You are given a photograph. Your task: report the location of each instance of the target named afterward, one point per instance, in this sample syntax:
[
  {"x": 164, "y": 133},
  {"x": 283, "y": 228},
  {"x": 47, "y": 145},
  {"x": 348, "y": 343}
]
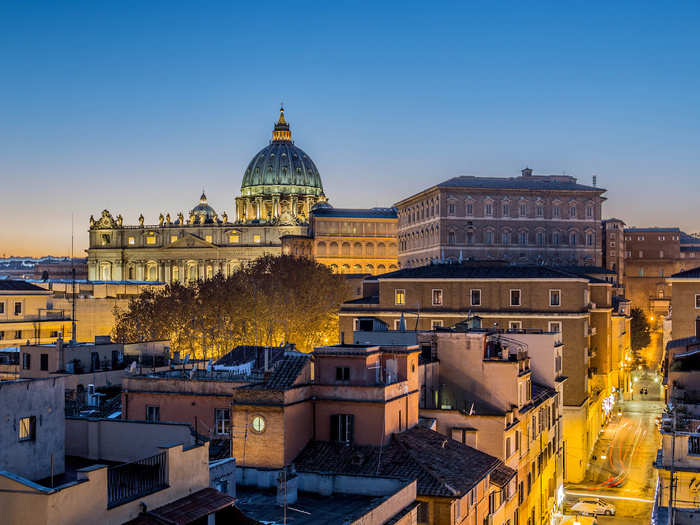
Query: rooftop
[
  {"x": 443, "y": 466},
  {"x": 479, "y": 271},
  {"x": 186, "y": 510},
  {"x": 309, "y": 508},
  {"x": 359, "y": 213},
  {"x": 536, "y": 182},
  {"x": 693, "y": 273},
  {"x": 653, "y": 229},
  {"x": 11, "y": 285}
]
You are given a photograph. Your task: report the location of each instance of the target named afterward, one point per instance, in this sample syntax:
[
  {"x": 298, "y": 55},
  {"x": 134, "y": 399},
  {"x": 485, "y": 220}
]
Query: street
[{"x": 621, "y": 470}]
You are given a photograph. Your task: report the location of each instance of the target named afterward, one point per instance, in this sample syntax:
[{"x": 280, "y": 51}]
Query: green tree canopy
[
  {"x": 640, "y": 329},
  {"x": 273, "y": 300}
]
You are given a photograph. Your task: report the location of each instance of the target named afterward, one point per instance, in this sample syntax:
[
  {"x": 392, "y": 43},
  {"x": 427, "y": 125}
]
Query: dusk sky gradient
[{"x": 137, "y": 106}]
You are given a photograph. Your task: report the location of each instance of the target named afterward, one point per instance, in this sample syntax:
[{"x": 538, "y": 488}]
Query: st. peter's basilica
[{"x": 281, "y": 189}]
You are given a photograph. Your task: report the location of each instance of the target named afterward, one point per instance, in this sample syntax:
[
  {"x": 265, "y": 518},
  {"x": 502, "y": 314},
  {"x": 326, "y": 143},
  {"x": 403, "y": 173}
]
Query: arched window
[
  {"x": 392, "y": 248},
  {"x": 393, "y": 267},
  {"x": 381, "y": 249},
  {"x": 357, "y": 250},
  {"x": 130, "y": 273},
  {"x": 333, "y": 249},
  {"x": 151, "y": 272},
  {"x": 210, "y": 272},
  {"x": 572, "y": 238},
  {"x": 369, "y": 249},
  {"x": 192, "y": 271},
  {"x": 175, "y": 274},
  {"x": 381, "y": 268},
  {"x": 321, "y": 248},
  {"x": 346, "y": 249}
]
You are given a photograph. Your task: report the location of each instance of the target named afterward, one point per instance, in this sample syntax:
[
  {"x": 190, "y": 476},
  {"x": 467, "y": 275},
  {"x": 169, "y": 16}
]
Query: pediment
[{"x": 190, "y": 241}]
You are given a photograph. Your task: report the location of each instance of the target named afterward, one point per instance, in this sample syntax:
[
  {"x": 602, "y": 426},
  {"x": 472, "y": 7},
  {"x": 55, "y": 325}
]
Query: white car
[{"x": 593, "y": 507}]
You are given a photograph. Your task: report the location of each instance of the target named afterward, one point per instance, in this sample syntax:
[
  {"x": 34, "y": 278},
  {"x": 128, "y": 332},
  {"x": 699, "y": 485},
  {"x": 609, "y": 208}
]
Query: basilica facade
[{"x": 280, "y": 191}]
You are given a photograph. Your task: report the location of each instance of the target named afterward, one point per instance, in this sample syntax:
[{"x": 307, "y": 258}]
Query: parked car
[{"x": 593, "y": 507}]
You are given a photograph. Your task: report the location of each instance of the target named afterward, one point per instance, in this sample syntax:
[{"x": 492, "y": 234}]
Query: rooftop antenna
[{"x": 72, "y": 272}]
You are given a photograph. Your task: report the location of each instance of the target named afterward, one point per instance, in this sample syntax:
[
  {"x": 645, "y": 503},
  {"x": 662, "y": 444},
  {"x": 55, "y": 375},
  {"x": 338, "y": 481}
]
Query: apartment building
[
  {"x": 614, "y": 249},
  {"x": 535, "y": 219},
  {"x": 514, "y": 298},
  {"x": 678, "y": 458},
  {"x": 27, "y": 313},
  {"x": 64, "y": 471},
  {"x": 685, "y": 303}
]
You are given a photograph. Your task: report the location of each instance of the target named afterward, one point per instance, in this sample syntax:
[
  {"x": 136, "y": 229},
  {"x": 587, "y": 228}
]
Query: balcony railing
[{"x": 134, "y": 480}]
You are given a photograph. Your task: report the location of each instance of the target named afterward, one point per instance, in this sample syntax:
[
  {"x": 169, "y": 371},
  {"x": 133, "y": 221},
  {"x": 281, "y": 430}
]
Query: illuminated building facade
[{"x": 280, "y": 194}]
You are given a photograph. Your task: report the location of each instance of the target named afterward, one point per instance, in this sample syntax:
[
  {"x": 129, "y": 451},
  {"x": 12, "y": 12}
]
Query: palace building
[{"x": 281, "y": 188}]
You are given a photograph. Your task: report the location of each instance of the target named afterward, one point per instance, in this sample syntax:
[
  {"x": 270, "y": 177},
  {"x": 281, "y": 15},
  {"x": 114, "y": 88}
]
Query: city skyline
[{"x": 145, "y": 110}]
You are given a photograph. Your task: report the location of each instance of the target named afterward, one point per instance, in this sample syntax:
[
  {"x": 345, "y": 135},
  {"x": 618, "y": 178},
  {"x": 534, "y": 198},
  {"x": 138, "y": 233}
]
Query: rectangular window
[
  {"x": 18, "y": 334},
  {"x": 423, "y": 513},
  {"x": 523, "y": 210},
  {"x": 234, "y": 238},
  {"x": 506, "y": 210},
  {"x": 555, "y": 326},
  {"x": 341, "y": 428},
  {"x": 209, "y": 238},
  {"x": 18, "y": 307},
  {"x": 488, "y": 210},
  {"x": 555, "y": 211},
  {"x": 489, "y": 237},
  {"x": 132, "y": 241},
  {"x": 515, "y": 297},
  {"x": 451, "y": 208},
  {"x": 572, "y": 211},
  {"x": 399, "y": 296},
  {"x": 661, "y": 254},
  {"x": 540, "y": 211},
  {"x": 44, "y": 362},
  {"x": 508, "y": 452},
  {"x": 2, "y": 307},
  {"x": 515, "y": 325},
  {"x": 434, "y": 324},
  {"x": 555, "y": 298},
  {"x": 697, "y": 300},
  {"x": 150, "y": 239},
  {"x": 470, "y": 210},
  {"x": 27, "y": 428},
  {"x": 222, "y": 420},
  {"x": 523, "y": 238},
  {"x": 342, "y": 373},
  {"x": 26, "y": 361},
  {"x": 476, "y": 297},
  {"x": 589, "y": 239},
  {"x": 153, "y": 414},
  {"x": 555, "y": 238},
  {"x": 451, "y": 238},
  {"x": 2, "y": 335},
  {"x": 694, "y": 445},
  {"x": 540, "y": 238},
  {"x": 256, "y": 239},
  {"x": 572, "y": 239},
  {"x": 589, "y": 211},
  {"x": 437, "y": 297}
]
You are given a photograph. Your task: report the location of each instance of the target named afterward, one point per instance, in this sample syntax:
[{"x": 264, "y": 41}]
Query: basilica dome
[
  {"x": 203, "y": 212},
  {"x": 281, "y": 168}
]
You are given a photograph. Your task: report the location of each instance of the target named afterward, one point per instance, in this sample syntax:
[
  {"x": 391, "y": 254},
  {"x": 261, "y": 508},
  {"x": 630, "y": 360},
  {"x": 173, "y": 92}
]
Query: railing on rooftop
[{"x": 134, "y": 480}]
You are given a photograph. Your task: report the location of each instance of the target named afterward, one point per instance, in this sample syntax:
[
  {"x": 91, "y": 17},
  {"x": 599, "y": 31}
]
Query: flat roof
[{"x": 261, "y": 504}]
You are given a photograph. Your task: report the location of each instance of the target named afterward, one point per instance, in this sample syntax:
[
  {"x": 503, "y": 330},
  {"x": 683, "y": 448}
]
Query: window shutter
[{"x": 335, "y": 427}]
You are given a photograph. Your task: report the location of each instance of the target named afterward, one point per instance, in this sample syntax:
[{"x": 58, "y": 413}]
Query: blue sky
[{"x": 136, "y": 106}]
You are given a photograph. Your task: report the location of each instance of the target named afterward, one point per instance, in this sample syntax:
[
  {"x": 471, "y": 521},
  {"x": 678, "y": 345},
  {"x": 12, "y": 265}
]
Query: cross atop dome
[{"x": 281, "y": 132}]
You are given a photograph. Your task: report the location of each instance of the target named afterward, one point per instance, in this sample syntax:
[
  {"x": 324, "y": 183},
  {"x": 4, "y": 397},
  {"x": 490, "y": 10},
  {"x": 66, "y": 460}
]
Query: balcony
[{"x": 134, "y": 480}]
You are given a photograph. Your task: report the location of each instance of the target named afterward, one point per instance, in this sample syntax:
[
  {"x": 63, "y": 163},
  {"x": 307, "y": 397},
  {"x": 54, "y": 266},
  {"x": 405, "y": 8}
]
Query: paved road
[{"x": 622, "y": 471}]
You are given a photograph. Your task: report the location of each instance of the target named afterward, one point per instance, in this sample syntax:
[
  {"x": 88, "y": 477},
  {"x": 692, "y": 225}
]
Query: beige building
[
  {"x": 685, "y": 303},
  {"x": 28, "y": 313},
  {"x": 355, "y": 241},
  {"x": 614, "y": 250},
  {"x": 550, "y": 219},
  {"x": 514, "y": 298}
]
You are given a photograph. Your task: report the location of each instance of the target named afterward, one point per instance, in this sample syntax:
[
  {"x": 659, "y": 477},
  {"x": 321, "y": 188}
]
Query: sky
[{"x": 135, "y": 107}]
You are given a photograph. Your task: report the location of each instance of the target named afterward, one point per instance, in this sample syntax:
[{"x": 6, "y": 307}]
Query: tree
[
  {"x": 274, "y": 300},
  {"x": 640, "y": 329}
]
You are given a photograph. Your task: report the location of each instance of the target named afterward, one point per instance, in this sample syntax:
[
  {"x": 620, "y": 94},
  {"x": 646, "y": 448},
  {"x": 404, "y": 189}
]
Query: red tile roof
[{"x": 186, "y": 510}]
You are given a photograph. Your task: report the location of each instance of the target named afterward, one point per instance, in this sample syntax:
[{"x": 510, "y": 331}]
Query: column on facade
[
  {"x": 275, "y": 206},
  {"x": 258, "y": 208},
  {"x": 294, "y": 201}
]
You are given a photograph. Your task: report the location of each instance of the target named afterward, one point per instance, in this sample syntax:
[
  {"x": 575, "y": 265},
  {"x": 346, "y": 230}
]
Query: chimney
[
  {"x": 61, "y": 356},
  {"x": 526, "y": 172}
]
